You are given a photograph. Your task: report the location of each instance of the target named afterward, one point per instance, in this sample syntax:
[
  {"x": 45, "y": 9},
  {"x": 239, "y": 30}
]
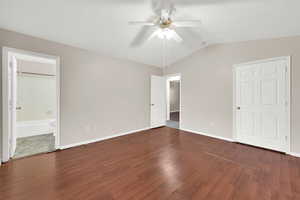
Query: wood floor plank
[{"x": 157, "y": 164}]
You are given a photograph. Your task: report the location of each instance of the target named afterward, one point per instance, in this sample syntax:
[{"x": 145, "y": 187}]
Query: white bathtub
[{"x": 38, "y": 127}]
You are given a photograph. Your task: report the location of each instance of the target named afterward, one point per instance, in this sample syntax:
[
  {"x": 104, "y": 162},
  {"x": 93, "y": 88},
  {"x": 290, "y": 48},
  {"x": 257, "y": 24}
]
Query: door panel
[
  {"x": 158, "y": 101},
  {"x": 269, "y": 125},
  {"x": 262, "y": 115},
  {"x": 269, "y": 91}
]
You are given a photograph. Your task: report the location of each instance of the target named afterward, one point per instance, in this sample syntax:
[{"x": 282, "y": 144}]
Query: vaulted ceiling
[{"x": 102, "y": 25}]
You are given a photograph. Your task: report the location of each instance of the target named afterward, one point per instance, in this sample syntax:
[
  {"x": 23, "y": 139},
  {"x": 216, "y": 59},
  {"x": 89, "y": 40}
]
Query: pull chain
[{"x": 164, "y": 55}]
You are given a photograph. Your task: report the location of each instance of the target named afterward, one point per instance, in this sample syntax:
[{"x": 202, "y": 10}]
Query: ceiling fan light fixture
[
  {"x": 165, "y": 33},
  {"x": 166, "y": 28}
]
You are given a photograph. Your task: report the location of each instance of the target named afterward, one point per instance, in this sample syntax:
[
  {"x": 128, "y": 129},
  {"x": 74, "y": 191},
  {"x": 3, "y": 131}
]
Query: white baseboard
[
  {"x": 158, "y": 125},
  {"x": 101, "y": 139},
  {"x": 208, "y": 135},
  {"x": 294, "y": 154},
  {"x": 229, "y": 140}
]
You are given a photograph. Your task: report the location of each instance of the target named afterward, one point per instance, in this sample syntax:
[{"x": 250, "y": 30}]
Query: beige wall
[
  {"x": 207, "y": 82},
  {"x": 100, "y": 96},
  {"x": 36, "y": 97},
  {"x": 36, "y": 94},
  {"x": 174, "y": 96}
]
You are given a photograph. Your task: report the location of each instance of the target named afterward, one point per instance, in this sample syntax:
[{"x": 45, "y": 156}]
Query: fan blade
[
  {"x": 159, "y": 5},
  {"x": 142, "y": 36},
  {"x": 156, "y": 7},
  {"x": 187, "y": 23},
  {"x": 143, "y": 23},
  {"x": 172, "y": 8},
  {"x": 193, "y": 38},
  {"x": 177, "y": 37}
]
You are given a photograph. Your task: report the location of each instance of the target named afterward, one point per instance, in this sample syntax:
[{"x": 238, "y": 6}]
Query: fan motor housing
[{"x": 165, "y": 23}]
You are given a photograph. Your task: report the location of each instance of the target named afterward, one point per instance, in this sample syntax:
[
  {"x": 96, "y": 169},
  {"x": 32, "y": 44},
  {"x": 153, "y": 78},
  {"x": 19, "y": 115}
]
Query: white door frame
[
  {"x": 169, "y": 78},
  {"x": 288, "y": 95},
  {"x": 6, "y": 52}
]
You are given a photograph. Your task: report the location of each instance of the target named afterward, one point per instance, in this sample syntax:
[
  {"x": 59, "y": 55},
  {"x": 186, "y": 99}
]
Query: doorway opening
[
  {"x": 30, "y": 103},
  {"x": 173, "y": 101}
]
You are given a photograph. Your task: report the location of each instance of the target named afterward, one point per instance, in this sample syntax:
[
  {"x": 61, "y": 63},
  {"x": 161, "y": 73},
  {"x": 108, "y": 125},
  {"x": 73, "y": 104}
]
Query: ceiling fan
[{"x": 162, "y": 24}]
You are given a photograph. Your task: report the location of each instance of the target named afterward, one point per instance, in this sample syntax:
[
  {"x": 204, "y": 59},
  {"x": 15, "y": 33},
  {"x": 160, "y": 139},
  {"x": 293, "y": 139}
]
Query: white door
[
  {"x": 262, "y": 104},
  {"x": 158, "y": 101},
  {"x": 12, "y": 99}
]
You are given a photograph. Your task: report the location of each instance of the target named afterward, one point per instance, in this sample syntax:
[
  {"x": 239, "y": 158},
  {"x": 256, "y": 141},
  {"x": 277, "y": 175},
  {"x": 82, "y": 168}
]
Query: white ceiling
[{"x": 102, "y": 25}]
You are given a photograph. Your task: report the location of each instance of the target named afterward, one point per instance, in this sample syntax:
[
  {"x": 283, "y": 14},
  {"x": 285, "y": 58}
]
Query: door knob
[
  {"x": 19, "y": 108},
  {"x": 238, "y": 108},
  {"x": 152, "y": 104}
]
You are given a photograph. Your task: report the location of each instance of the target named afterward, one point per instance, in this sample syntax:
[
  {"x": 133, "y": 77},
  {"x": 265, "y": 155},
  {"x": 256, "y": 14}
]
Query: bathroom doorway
[
  {"x": 31, "y": 103},
  {"x": 173, "y": 101}
]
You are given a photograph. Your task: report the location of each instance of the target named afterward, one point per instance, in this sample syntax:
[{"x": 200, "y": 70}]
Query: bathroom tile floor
[
  {"x": 32, "y": 145},
  {"x": 174, "y": 120},
  {"x": 172, "y": 124}
]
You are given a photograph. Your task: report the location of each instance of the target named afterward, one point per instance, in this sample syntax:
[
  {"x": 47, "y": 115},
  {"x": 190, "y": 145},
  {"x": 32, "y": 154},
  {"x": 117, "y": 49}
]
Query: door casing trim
[{"x": 6, "y": 52}]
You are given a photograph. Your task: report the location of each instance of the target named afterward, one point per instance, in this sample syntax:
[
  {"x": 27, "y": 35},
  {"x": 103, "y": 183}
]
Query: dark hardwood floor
[{"x": 162, "y": 163}]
